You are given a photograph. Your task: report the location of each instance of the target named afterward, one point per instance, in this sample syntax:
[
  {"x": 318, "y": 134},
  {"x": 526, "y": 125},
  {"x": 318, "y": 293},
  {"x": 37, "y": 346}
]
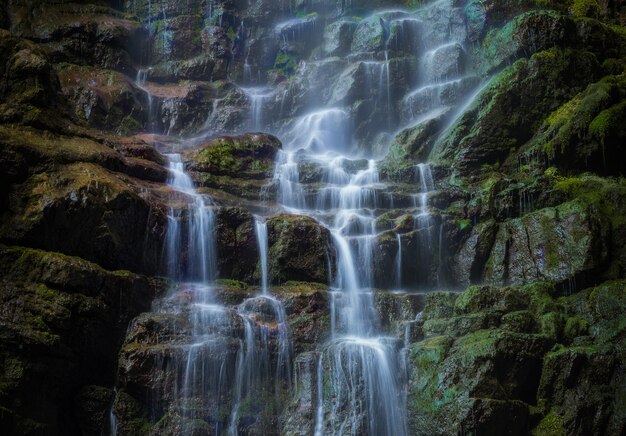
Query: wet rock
[
  {"x": 297, "y": 36},
  {"x": 308, "y": 311},
  {"x": 469, "y": 260},
  {"x": 428, "y": 98},
  {"x": 584, "y": 132},
  {"x": 511, "y": 106},
  {"x": 299, "y": 417},
  {"x": 555, "y": 243},
  {"x": 103, "y": 98},
  {"x": 63, "y": 320},
  {"x": 526, "y": 34},
  {"x": 444, "y": 63},
  {"x": 237, "y": 247},
  {"x": 581, "y": 380},
  {"x": 299, "y": 249},
  {"x": 369, "y": 35},
  {"x": 472, "y": 393},
  {"x": 196, "y": 68},
  {"x": 415, "y": 142},
  {"x": 240, "y": 166},
  {"x": 338, "y": 37},
  {"x": 87, "y": 35}
]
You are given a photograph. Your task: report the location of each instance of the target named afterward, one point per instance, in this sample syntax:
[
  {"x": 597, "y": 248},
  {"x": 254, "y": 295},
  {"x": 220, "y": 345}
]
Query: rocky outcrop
[
  {"x": 87, "y": 34},
  {"x": 63, "y": 321},
  {"x": 457, "y": 382},
  {"x": 60, "y": 186},
  {"x": 557, "y": 244},
  {"x": 511, "y": 106}
]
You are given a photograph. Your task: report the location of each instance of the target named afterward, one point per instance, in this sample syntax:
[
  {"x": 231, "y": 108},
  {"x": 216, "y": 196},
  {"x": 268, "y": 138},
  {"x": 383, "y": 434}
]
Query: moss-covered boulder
[
  {"x": 586, "y": 132},
  {"x": 488, "y": 356},
  {"x": 250, "y": 155}
]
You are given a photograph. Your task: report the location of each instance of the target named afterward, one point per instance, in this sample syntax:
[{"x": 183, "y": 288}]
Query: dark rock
[
  {"x": 469, "y": 260},
  {"x": 555, "y": 244},
  {"x": 511, "y": 106},
  {"x": 29, "y": 85},
  {"x": 63, "y": 321},
  {"x": 84, "y": 35},
  {"x": 101, "y": 209},
  {"x": 237, "y": 247},
  {"x": 299, "y": 249},
  {"x": 103, "y": 98}
]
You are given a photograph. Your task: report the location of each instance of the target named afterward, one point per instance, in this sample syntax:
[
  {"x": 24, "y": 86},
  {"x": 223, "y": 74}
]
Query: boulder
[
  {"x": 250, "y": 155},
  {"x": 557, "y": 244}
]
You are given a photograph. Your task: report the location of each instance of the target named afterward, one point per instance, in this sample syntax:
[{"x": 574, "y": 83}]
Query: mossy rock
[
  {"x": 586, "y": 131},
  {"x": 60, "y": 338},
  {"x": 247, "y": 156}
]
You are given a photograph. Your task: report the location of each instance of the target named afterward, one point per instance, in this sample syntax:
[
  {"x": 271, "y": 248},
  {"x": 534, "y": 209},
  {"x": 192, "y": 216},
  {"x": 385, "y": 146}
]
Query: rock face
[
  {"x": 63, "y": 320},
  {"x": 299, "y": 249},
  {"x": 457, "y": 380},
  {"x": 573, "y": 245},
  {"x": 74, "y": 188}
]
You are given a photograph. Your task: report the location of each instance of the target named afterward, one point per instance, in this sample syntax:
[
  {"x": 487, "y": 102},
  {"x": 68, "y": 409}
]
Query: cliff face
[{"x": 528, "y": 207}]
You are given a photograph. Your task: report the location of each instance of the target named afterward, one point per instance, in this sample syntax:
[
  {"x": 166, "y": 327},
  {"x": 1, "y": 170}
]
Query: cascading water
[
  {"x": 361, "y": 373},
  {"x": 229, "y": 360}
]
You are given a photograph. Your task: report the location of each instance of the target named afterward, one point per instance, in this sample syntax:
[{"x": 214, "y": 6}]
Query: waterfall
[
  {"x": 260, "y": 227},
  {"x": 140, "y": 81},
  {"x": 399, "y": 262},
  {"x": 330, "y": 114},
  {"x": 201, "y": 263}
]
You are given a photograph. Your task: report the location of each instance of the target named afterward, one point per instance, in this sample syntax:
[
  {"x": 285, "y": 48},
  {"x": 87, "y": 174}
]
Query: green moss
[
  {"x": 550, "y": 425},
  {"x": 592, "y": 114},
  {"x": 608, "y": 121},
  {"x": 585, "y": 8},
  {"x": 551, "y": 325},
  {"x": 606, "y": 194},
  {"x": 229, "y": 283},
  {"x": 220, "y": 156},
  {"x": 285, "y": 64},
  {"x": 574, "y": 327}
]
